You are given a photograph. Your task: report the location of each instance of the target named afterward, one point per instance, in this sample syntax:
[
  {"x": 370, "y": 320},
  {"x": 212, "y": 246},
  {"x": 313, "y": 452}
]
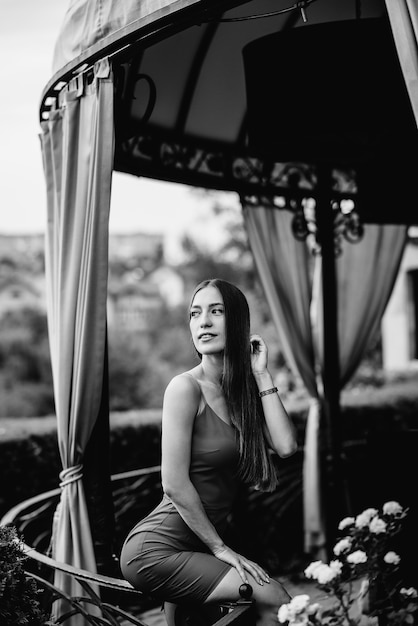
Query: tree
[{"x": 25, "y": 366}]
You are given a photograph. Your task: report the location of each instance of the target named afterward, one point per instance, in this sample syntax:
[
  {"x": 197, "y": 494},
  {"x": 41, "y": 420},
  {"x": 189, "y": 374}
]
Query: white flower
[
  {"x": 295, "y": 612},
  {"x": 283, "y": 614},
  {"x": 409, "y": 592},
  {"x": 299, "y": 603},
  {"x": 342, "y": 545},
  {"x": 309, "y": 571},
  {"x": 364, "y": 518},
  {"x": 347, "y": 521},
  {"x": 336, "y": 566},
  {"x": 391, "y": 558},
  {"x": 377, "y": 526},
  {"x": 322, "y": 572},
  {"x": 392, "y": 508},
  {"x": 359, "y": 556},
  {"x": 325, "y": 574}
]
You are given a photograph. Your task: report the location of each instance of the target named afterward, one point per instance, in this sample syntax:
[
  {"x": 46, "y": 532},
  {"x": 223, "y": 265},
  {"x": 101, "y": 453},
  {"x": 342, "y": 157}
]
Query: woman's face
[{"x": 207, "y": 321}]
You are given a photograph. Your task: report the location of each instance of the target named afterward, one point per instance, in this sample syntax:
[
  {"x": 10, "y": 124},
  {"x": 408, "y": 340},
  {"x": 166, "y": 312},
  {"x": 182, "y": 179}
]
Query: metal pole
[{"x": 333, "y": 479}]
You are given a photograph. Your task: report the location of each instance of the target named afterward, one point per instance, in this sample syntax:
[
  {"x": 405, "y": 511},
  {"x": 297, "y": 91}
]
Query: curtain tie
[{"x": 70, "y": 475}]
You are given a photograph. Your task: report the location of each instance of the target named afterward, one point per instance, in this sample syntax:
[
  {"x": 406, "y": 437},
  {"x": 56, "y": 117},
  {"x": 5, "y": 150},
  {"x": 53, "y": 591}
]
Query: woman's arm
[
  {"x": 280, "y": 429},
  {"x": 181, "y": 401}
]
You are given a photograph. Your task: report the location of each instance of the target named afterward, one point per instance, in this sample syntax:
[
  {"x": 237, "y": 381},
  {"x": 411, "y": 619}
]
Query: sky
[{"x": 28, "y": 31}]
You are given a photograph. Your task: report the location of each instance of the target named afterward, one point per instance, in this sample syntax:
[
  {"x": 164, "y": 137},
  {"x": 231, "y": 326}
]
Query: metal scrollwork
[
  {"x": 347, "y": 224},
  {"x": 288, "y": 186}
]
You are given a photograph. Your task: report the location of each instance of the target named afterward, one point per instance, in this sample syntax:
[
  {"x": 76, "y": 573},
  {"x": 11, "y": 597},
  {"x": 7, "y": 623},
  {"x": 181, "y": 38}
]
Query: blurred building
[
  {"x": 140, "y": 283},
  {"x": 22, "y": 282},
  {"x": 400, "y": 322}
]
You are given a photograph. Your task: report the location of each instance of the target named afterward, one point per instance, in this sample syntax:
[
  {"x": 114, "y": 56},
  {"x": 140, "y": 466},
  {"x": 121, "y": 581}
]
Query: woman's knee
[{"x": 270, "y": 594}]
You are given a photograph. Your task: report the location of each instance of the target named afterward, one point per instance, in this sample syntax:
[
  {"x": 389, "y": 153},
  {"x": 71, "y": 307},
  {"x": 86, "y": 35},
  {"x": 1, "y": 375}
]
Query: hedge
[
  {"x": 29, "y": 461},
  {"x": 29, "y": 458}
]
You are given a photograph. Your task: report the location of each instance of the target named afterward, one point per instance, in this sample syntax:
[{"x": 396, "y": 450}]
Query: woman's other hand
[
  {"x": 242, "y": 565},
  {"x": 259, "y": 355}
]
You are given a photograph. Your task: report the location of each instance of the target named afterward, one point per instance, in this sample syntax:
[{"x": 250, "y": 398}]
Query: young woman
[{"x": 221, "y": 422}]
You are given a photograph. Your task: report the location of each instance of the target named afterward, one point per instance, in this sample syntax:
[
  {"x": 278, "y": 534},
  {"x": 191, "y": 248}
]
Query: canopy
[{"x": 199, "y": 83}]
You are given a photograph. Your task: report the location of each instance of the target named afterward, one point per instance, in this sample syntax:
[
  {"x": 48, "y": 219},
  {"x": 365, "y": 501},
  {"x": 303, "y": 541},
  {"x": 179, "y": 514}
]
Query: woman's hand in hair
[
  {"x": 242, "y": 565},
  {"x": 259, "y": 355}
]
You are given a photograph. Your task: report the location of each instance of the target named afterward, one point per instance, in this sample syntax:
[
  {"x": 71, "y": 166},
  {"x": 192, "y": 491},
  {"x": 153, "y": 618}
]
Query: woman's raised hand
[
  {"x": 259, "y": 354},
  {"x": 242, "y": 565}
]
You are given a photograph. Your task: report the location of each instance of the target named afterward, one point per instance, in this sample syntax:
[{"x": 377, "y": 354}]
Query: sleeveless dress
[{"x": 162, "y": 556}]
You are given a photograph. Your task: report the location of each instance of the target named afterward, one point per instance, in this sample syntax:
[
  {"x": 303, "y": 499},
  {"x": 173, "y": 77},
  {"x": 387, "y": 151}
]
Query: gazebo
[{"x": 308, "y": 112}]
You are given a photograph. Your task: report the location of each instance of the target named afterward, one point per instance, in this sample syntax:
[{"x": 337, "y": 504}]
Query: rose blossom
[
  {"x": 359, "y": 556},
  {"x": 347, "y": 521},
  {"x": 364, "y": 518},
  {"x": 299, "y": 603},
  {"x": 392, "y": 508},
  {"x": 322, "y": 572},
  {"x": 295, "y": 612},
  {"x": 336, "y": 566},
  {"x": 377, "y": 526},
  {"x": 411, "y": 592},
  {"x": 283, "y": 614},
  {"x": 391, "y": 558},
  {"x": 325, "y": 574},
  {"x": 342, "y": 545},
  {"x": 309, "y": 571}
]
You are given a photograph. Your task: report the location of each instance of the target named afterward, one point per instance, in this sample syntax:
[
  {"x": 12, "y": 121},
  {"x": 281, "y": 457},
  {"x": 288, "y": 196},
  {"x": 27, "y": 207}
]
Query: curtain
[
  {"x": 283, "y": 268},
  {"x": 77, "y": 147},
  {"x": 366, "y": 272},
  {"x": 403, "y": 16}
]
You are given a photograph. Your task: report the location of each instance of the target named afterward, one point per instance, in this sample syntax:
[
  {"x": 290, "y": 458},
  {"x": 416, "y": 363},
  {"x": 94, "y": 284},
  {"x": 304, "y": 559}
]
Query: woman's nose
[{"x": 205, "y": 319}]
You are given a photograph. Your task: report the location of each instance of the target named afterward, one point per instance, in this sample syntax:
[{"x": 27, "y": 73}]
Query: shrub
[
  {"x": 19, "y": 594},
  {"x": 363, "y": 553}
]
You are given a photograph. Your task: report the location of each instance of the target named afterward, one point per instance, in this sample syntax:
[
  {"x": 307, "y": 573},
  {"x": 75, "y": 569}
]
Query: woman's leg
[{"x": 269, "y": 596}]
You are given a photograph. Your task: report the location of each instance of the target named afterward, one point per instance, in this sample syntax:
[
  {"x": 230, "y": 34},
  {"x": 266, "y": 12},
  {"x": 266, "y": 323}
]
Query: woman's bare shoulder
[{"x": 183, "y": 386}]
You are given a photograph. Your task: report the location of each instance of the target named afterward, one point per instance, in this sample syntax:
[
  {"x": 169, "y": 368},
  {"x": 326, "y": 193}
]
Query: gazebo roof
[{"x": 198, "y": 85}]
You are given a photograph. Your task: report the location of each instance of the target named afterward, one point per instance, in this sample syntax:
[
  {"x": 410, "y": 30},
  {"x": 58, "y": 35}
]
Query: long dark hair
[{"x": 240, "y": 389}]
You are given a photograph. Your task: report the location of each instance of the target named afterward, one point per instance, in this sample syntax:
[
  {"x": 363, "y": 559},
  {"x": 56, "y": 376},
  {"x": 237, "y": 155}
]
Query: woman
[{"x": 220, "y": 422}]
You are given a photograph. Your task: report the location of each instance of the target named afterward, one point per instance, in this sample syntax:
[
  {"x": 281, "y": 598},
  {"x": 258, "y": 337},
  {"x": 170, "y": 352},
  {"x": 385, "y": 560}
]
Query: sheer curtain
[
  {"x": 366, "y": 272},
  {"x": 403, "y": 16},
  {"x": 77, "y": 146},
  {"x": 282, "y": 265}
]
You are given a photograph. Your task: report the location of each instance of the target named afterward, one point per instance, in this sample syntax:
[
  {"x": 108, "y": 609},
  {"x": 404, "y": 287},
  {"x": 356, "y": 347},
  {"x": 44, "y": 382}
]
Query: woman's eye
[
  {"x": 217, "y": 311},
  {"x": 194, "y": 313}
]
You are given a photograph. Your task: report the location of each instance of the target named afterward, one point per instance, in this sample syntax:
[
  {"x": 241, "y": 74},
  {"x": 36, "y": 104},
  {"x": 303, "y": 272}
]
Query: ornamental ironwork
[
  {"x": 346, "y": 221},
  {"x": 292, "y": 187}
]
